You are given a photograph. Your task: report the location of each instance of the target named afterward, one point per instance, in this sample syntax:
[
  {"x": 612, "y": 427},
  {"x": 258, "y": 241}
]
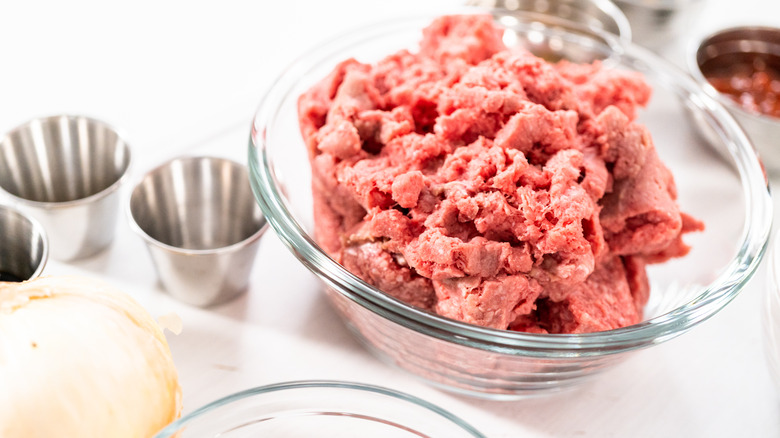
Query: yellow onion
[{"x": 79, "y": 359}]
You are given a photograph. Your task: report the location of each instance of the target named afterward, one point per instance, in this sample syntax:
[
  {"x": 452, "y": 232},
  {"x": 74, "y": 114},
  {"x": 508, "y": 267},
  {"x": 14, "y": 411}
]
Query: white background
[{"x": 185, "y": 77}]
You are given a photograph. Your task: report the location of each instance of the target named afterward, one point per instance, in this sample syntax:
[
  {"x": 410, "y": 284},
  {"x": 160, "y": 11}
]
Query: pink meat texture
[{"x": 490, "y": 186}]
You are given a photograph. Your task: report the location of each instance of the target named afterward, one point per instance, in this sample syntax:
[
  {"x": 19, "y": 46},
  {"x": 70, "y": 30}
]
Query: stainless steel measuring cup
[
  {"x": 201, "y": 225},
  {"x": 66, "y": 172},
  {"x": 23, "y": 246}
]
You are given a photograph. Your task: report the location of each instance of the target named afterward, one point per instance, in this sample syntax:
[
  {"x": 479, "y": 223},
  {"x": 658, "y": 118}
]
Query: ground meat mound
[{"x": 490, "y": 186}]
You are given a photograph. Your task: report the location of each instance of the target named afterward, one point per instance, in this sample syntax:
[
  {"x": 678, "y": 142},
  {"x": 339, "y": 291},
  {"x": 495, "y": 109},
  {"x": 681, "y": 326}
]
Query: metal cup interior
[
  {"x": 24, "y": 250},
  {"x": 196, "y": 203},
  {"x": 61, "y": 159},
  {"x": 739, "y": 45}
]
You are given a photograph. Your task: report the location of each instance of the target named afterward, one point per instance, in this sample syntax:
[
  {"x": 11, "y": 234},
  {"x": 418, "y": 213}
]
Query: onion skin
[{"x": 79, "y": 359}]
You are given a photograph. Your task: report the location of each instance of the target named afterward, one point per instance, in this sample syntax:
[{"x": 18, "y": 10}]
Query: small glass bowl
[
  {"x": 320, "y": 408},
  {"x": 729, "y": 195}
]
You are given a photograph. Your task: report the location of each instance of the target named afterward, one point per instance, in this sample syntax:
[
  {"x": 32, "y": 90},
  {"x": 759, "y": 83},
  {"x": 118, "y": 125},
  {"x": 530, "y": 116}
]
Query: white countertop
[{"x": 185, "y": 77}]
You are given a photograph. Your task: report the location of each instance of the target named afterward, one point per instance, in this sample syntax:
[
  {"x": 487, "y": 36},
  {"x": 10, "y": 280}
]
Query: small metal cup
[
  {"x": 736, "y": 45},
  {"x": 66, "y": 172},
  {"x": 657, "y": 23},
  {"x": 24, "y": 248},
  {"x": 537, "y": 25},
  {"x": 201, "y": 225}
]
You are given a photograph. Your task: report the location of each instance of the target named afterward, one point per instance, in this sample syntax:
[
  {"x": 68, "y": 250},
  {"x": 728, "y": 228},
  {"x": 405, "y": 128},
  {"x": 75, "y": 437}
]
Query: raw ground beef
[{"x": 490, "y": 186}]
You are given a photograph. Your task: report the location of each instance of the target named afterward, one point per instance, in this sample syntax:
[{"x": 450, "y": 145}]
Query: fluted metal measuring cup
[
  {"x": 66, "y": 172},
  {"x": 201, "y": 225},
  {"x": 23, "y": 246}
]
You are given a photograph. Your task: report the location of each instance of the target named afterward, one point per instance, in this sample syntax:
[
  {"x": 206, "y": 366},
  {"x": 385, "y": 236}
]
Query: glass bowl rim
[
  {"x": 753, "y": 239},
  {"x": 331, "y": 385}
]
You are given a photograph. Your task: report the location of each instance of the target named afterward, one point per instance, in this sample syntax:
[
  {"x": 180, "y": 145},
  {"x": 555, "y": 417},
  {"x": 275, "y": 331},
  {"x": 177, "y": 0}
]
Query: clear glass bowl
[
  {"x": 322, "y": 409},
  {"x": 730, "y": 195}
]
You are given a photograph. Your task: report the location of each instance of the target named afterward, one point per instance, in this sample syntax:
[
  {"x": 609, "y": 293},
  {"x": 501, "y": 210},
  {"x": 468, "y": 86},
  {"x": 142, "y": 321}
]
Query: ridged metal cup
[
  {"x": 24, "y": 249},
  {"x": 66, "y": 172},
  {"x": 201, "y": 225}
]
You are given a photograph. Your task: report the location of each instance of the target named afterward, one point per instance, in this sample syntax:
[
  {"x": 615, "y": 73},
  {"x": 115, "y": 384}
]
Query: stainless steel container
[
  {"x": 657, "y": 23},
  {"x": 201, "y": 225},
  {"x": 536, "y": 24},
  {"x": 24, "y": 248},
  {"x": 66, "y": 171},
  {"x": 727, "y": 47}
]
